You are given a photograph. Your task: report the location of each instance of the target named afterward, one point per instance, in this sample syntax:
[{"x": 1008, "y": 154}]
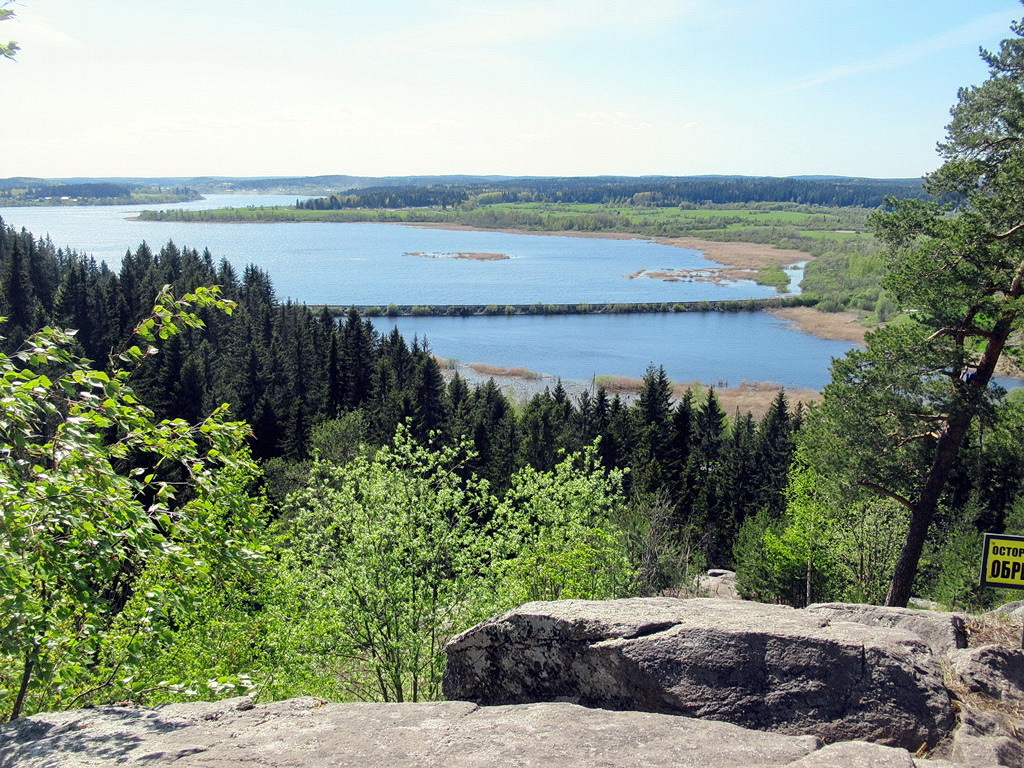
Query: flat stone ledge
[
  {"x": 309, "y": 733},
  {"x": 942, "y": 632}
]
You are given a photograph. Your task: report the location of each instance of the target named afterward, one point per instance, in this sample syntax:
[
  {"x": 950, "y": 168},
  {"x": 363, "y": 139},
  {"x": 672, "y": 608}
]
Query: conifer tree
[
  {"x": 774, "y": 454},
  {"x": 357, "y": 360},
  {"x": 429, "y": 407}
]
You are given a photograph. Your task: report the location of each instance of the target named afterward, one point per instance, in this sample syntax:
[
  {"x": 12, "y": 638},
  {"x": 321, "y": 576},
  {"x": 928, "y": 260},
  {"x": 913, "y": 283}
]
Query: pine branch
[{"x": 886, "y": 492}]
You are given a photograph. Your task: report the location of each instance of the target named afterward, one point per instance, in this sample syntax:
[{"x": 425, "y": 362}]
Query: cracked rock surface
[
  {"x": 307, "y": 733},
  {"x": 764, "y": 667}
]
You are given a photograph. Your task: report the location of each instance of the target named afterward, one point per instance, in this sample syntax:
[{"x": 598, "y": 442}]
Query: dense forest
[
  {"x": 288, "y": 370},
  {"x": 647, "y": 192}
]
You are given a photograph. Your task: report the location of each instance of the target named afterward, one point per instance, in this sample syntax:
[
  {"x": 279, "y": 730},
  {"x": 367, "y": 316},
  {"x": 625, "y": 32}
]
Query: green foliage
[
  {"x": 556, "y": 538},
  {"x": 773, "y": 275},
  {"x": 880, "y": 409},
  {"x": 386, "y": 557},
  {"x": 381, "y": 564},
  {"x": 950, "y": 567},
  {"x": 95, "y": 493},
  {"x": 845, "y": 275},
  {"x": 868, "y": 534},
  {"x": 792, "y": 559},
  {"x": 825, "y": 546},
  {"x": 312, "y": 386},
  {"x": 7, "y": 50}
]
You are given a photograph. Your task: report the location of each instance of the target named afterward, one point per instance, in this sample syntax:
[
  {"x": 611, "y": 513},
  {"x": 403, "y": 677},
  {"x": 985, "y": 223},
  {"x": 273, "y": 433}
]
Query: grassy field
[{"x": 842, "y": 223}]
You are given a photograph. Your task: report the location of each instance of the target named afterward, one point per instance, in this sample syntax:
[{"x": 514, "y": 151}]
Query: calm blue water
[
  {"x": 709, "y": 346},
  {"x": 368, "y": 264}
]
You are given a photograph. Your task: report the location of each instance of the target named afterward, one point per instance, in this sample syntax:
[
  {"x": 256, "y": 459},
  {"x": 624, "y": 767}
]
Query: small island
[{"x": 467, "y": 255}]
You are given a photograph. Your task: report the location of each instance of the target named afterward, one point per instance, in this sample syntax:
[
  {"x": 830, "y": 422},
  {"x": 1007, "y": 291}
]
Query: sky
[{"x": 513, "y": 87}]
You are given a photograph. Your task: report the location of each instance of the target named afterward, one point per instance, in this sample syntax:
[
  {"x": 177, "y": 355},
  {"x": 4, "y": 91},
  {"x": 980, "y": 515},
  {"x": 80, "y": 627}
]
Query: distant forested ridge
[
  {"x": 27, "y": 191},
  {"x": 654, "y": 191},
  {"x": 607, "y": 190}
]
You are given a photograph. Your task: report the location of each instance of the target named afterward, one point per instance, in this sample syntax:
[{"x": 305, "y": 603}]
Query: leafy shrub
[{"x": 96, "y": 497}]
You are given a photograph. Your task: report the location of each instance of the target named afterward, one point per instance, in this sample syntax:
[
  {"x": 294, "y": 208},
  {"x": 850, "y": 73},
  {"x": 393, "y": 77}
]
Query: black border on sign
[{"x": 984, "y": 560}]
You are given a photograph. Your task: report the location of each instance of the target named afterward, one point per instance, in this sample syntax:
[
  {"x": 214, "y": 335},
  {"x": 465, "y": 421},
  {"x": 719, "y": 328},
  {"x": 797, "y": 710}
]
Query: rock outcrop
[
  {"x": 943, "y": 632},
  {"x": 309, "y": 733},
  {"x": 987, "y": 738},
  {"x": 760, "y": 666},
  {"x": 717, "y": 582},
  {"x": 1014, "y": 609},
  {"x": 833, "y": 686},
  {"x": 994, "y": 670}
]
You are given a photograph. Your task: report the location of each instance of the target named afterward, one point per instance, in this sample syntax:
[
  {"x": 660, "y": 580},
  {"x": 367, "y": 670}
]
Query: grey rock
[
  {"x": 943, "y": 632},
  {"x": 994, "y": 670},
  {"x": 987, "y": 738},
  {"x": 760, "y": 666},
  {"x": 976, "y": 722},
  {"x": 926, "y": 605},
  {"x": 310, "y": 734},
  {"x": 856, "y": 754},
  {"x": 988, "y": 751},
  {"x": 1016, "y": 608},
  {"x": 717, "y": 582}
]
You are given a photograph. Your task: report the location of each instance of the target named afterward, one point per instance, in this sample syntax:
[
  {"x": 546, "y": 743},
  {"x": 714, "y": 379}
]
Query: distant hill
[
  {"x": 645, "y": 191},
  {"x": 665, "y": 190}
]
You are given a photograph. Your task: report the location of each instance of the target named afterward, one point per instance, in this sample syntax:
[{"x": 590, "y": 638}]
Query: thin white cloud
[{"x": 966, "y": 34}]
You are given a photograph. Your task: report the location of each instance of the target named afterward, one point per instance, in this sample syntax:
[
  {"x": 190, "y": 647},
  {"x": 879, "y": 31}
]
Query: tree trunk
[
  {"x": 946, "y": 450},
  {"x": 26, "y": 676},
  {"x": 923, "y": 511}
]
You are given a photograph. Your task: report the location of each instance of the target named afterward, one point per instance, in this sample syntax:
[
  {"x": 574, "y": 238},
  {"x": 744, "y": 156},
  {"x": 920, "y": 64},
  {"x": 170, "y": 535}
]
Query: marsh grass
[
  {"x": 752, "y": 396},
  {"x": 503, "y": 371}
]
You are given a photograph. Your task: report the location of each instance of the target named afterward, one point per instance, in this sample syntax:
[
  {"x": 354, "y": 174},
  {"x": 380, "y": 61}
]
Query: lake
[
  {"x": 370, "y": 263},
  {"x": 719, "y": 348}
]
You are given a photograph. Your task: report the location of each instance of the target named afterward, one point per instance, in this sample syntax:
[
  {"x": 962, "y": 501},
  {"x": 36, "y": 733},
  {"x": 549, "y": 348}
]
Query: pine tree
[
  {"x": 774, "y": 454},
  {"x": 429, "y": 404},
  {"x": 358, "y": 357}
]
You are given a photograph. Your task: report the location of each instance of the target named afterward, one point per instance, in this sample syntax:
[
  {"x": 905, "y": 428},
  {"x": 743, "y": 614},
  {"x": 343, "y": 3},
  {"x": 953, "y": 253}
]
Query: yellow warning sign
[{"x": 1002, "y": 562}]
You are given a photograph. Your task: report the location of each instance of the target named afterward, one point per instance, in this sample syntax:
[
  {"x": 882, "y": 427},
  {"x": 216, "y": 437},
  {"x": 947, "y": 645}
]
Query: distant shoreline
[{"x": 835, "y": 326}]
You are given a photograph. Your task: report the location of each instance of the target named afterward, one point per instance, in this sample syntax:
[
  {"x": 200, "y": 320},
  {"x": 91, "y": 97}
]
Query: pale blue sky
[{"x": 542, "y": 87}]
